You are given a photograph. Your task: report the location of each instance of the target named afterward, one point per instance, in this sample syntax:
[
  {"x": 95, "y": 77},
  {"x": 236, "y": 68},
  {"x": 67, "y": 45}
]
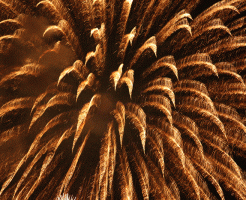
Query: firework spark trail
[{"x": 122, "y": 99}]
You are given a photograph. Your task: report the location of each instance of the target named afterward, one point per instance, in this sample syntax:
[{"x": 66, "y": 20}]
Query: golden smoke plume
[{"x": 122, "y": 99}]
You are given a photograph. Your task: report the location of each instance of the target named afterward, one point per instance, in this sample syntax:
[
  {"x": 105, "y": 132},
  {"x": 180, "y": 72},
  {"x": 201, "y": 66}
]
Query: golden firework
[{"x": 122, "y": 99}]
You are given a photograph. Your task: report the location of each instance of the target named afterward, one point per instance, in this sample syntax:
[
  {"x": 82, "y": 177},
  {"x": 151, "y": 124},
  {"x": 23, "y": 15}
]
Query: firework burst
[{"x": 122, "y": 99}]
